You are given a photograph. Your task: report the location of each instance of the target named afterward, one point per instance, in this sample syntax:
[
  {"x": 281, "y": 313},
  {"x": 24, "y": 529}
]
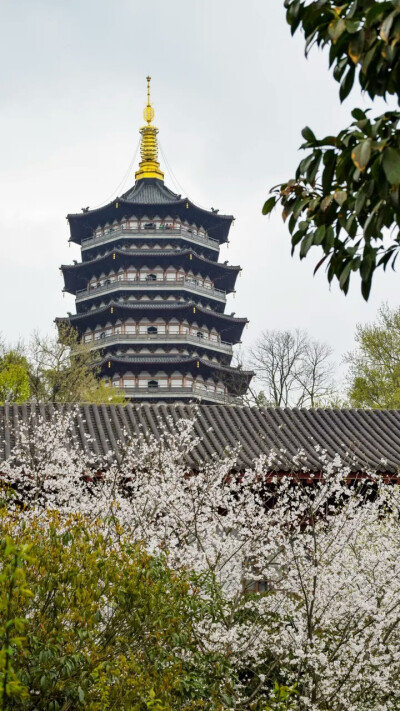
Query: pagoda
[{"x": 151, "y": 294}]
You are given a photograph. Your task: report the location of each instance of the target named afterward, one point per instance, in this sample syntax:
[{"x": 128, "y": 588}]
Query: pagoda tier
[
  {"x": 152, "y": 233},
  {"x": 130, "y": 290},
  {"x": 151, "y": 294},
  {"x": 174, "y": 377},
  {"x": 230, "y": 328},
  {"x": 149, "y": 198},
  {"x": 142, "y": 262}
]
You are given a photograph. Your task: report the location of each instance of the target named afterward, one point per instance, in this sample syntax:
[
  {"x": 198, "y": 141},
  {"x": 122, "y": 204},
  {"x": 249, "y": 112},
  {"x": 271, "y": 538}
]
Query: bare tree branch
[{"x": 294, "y": 370}]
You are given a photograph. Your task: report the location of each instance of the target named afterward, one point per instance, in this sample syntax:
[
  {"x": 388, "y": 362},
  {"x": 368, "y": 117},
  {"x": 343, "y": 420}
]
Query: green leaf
[
  {"x": 352, "y": 26},
  {"x": 345, "y": 277},
  {"x": 358, "y": 114},
  {"x": 340, "y": 197},
  {"x": 366, "y": 288},
  {"x": 326, "y": 202},
  {"x": 386, "y": 26},
  {"x": 356, "y": 46},
  {"x": 297, "y": 237},
  {"x": 313, "y": 168},
  {"x": 391, "y": 165},
  {"x": 336, "y": 28},
  {"x": 377, "y": 11},
  {"x": 361, "y": 154},
  {"x": 306, "y": 244},
  {"x": 329, "y": 238},
  {"x": 269, "y": 205},
  {"x": 351, "y": 226},
  {"x": 319, "y": 235},
  {"x": 329, "y": 170},
  {"x": 308, "y": 134},
  {"x": 347, "y": 84}
]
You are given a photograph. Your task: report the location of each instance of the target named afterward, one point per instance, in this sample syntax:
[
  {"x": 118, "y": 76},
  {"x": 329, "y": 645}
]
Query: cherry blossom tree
[{"x": 299, "y": 573}]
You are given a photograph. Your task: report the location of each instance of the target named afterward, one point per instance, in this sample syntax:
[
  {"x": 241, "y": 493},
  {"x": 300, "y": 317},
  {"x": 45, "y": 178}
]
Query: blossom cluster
[{"x": 300, "y": 574}]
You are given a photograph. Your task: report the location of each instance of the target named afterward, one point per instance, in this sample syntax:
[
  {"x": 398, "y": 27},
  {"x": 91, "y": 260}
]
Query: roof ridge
[{"x": 147, "y": 190}]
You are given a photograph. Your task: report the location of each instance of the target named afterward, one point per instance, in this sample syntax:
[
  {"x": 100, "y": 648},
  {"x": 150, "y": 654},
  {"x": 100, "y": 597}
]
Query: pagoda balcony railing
[
  {"x": 173, "y": 392},
  {"x": 160, "y": 339},
  {"x": 190, "y": 285},
  {"x": 113, "y": 232}
]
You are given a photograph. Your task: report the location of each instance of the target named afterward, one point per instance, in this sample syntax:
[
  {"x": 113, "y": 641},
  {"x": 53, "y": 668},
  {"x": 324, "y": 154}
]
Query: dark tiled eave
[
  {"x": 157, "y": 200},
  {"x": 365, "y": 439},
  {"x": 237, "y": 380},
  {"x": 229, "y": 327},
  {"x": 77, "y": 275}
]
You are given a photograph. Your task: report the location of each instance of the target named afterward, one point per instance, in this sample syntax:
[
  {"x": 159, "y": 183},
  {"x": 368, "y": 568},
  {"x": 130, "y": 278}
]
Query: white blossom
[{"x": 325, "y": 554}]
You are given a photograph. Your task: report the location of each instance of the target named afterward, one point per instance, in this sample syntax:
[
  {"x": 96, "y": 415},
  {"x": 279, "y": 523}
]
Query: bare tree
[
  {"x": 293, "y": 369},
  {"x": 63, "y": 369}
]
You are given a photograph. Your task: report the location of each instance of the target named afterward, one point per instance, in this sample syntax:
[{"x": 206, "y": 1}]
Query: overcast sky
[{"x": 232, "y": 91}]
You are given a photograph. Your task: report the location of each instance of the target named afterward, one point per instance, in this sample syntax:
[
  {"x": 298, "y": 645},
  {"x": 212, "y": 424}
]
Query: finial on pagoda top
[
  {"x": 148, "y": 111},
  {"x": 149, "y": 166}
]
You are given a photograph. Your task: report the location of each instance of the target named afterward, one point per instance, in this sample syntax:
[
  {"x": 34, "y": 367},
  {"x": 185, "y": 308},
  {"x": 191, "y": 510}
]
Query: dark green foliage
[
  {"x": 345, "y": 194},
  {"x": 346, "y": 191},
  {"x": 85, "y": 624}
]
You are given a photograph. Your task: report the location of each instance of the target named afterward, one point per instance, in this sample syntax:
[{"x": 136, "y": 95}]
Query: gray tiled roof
[
  {"x": 367, "y": 439},
  {"x": 152, "y": 192}
]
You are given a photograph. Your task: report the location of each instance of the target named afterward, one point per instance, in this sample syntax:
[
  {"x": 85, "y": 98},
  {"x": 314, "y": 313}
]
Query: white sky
[{"x": 232, "y": 91}]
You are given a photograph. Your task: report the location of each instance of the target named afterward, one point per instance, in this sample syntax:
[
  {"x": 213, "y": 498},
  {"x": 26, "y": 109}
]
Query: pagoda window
[
  {"x": 176, "y": 380},
  {"x": 151, "y": 277},
  {"x": 128, "y": 382},
  {"x": 130, "y": 328},
  {"x": 152, "y": 384},
  {"x": 200, "y": 334},
  {"x": 149, "y": 226},
  {"x": 88, "y": 337},
  {"x": 152, "y": 330}
]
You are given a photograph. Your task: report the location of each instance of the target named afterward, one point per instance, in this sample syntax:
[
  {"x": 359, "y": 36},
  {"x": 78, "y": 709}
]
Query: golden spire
[{"x": 149, "y": 166}]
